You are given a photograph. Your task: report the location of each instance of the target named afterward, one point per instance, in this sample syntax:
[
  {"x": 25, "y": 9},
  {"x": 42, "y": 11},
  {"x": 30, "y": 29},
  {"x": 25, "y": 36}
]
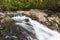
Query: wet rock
[{"x": 53, "y": 21}]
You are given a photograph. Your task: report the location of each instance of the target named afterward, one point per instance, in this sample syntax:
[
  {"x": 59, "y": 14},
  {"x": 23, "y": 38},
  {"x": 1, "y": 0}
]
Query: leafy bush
[{"x": 26, "y": 4}]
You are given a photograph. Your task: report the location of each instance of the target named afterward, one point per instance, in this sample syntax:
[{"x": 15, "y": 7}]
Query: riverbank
[{"x": 49, "y": 18}]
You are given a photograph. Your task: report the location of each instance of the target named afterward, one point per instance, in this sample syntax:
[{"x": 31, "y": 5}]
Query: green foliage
[{"x": 26, "y": 4}]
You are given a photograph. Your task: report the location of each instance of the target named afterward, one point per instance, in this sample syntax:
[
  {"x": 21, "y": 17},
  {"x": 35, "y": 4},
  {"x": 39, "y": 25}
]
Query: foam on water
[{"x": 41, "y": 31}]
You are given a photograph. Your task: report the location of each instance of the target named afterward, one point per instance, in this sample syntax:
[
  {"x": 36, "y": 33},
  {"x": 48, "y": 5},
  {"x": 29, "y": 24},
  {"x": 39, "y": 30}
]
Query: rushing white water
[{"x": 41, "y": 31}]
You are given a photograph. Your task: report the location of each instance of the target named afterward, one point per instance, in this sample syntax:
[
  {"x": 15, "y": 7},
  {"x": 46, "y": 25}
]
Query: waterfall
[{"x": 40, "y": 31}]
